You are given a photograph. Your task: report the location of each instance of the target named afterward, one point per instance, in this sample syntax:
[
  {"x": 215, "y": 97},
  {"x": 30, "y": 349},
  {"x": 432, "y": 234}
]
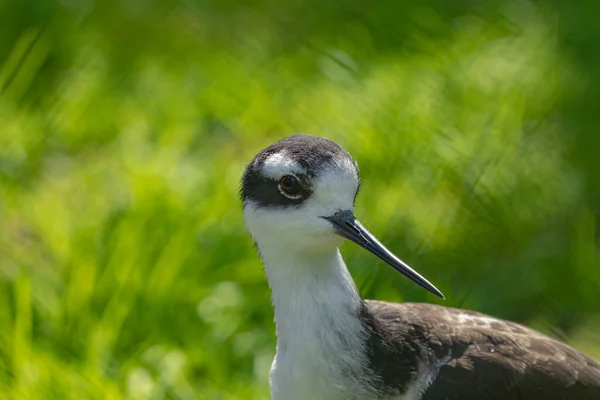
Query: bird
[{"x": 298, "y": 197}]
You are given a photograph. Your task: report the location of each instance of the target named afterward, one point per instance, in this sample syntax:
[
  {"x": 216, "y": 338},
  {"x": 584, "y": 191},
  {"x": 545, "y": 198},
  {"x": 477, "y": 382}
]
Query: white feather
[
  {"x": 279, "y": 164},
  {"x": 320, "y": 339}
]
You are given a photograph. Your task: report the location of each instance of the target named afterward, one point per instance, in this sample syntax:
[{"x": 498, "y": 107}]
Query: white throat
[{"x": 321, "y": 351}]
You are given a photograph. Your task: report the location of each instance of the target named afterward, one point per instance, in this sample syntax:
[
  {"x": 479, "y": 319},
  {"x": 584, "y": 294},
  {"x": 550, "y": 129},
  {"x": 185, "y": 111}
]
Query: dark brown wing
[{"x": 474, "y": 356}]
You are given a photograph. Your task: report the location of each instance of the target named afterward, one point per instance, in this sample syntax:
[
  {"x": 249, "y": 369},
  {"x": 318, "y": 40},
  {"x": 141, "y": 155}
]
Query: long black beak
[{"x": 348, "y": 226}]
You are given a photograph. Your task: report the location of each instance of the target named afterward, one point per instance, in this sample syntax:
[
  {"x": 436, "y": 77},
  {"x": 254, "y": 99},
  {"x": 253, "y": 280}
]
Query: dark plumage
[{"x": 476, "y": 357}]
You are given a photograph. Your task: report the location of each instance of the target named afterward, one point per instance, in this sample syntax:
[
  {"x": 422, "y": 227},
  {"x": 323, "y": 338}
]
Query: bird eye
[{"x": 290, "y": 186}]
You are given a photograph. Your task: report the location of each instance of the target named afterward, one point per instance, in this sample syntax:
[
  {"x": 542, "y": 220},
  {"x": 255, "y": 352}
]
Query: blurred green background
[{"x": 125, "y": 269}]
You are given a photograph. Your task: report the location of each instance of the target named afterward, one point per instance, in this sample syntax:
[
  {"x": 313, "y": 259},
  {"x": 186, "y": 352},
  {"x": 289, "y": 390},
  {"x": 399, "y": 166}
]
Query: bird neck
[
  {"x": 320, "y": 336},
  {"x": 309, "y": 288}
]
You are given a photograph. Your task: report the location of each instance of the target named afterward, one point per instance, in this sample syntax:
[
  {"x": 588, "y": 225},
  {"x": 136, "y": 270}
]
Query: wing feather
[{"x": 474, "y": 356}]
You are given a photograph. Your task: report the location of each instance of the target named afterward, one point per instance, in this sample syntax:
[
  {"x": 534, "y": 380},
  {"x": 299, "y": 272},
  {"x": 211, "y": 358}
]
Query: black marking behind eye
[
  {"x": 267, "y": 192},
  {"x": 312, "y": 153}
]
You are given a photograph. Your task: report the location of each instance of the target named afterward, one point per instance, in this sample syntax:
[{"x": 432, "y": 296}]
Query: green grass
[{"x": 125, "y": 269}]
